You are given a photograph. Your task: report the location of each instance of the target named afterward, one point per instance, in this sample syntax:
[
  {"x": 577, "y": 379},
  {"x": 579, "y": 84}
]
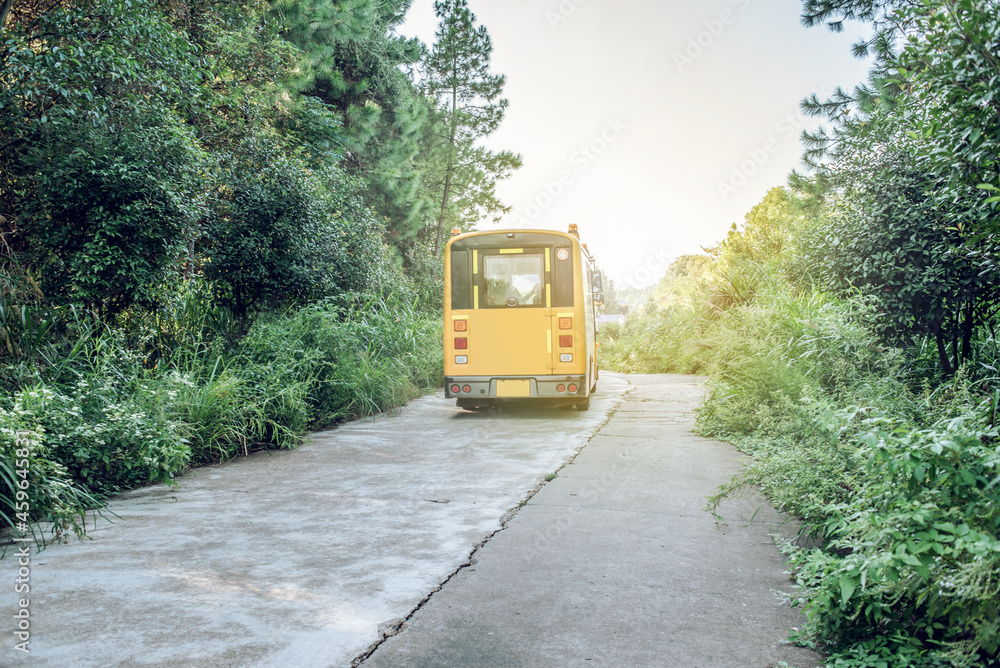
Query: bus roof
[
  {"x": 509, "y": 237},
  {"x": 514, "y": 237}
]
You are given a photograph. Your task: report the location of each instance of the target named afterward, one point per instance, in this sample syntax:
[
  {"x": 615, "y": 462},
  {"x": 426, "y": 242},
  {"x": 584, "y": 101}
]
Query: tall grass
[
  {"x": 894, "y": 472},
  {"x": 144, "y": 399},
  {"x": 359, "y": 355}
]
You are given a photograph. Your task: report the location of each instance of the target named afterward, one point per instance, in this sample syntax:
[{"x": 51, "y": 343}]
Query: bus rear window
[{"x": 514, "y": 280}]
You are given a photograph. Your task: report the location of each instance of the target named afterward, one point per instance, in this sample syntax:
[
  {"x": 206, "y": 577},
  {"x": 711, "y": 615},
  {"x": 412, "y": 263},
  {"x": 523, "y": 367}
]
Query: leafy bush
[
  {"x": 139, "y": 404},
  {"x": 912, "y": 558},
  {"x": 229, "y": 411},
  {"x": 279, "y": 234},
  {"x": 358, "y": 355},
  {"x": 109, "y": 437},
  {"x": 897, "y": 482},
  {"x": 99, "y": 169},
  {"x": 46, "y": 491},
  {"x": 651, "y": 343},
  {"x": 39, "y": 342},
  {"x": 893, "y": 470},
  {"x": 426, "y": 273}
]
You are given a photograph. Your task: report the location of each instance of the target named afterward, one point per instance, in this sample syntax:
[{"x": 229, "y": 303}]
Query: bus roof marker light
[
  {"x": 574, "y": 230},
  {"x": 455, "y": 231},
  {"x": 510, "y": 235}
]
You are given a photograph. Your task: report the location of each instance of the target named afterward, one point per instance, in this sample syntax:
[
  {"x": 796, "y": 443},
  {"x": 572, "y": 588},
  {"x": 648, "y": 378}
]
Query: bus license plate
[{"x": 513, "y": 388}]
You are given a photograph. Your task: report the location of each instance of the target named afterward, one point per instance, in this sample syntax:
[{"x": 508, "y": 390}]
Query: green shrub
[
  {"x": 278, "y": 234},
  {"x": 140, "y": 403},
  {"x": 896, "y": 480},
  {"x": 912, "y": 558},
  {"x": 667, "y": 341},
  {"x": 105, "y": 184},
  {"x": 359, "y": 355},
  {"x": 107, "y": 436},
  {"x": 231, "y": 411},
  {"x": 894, "y": 473},
  {"x": 45, "y": 491}
]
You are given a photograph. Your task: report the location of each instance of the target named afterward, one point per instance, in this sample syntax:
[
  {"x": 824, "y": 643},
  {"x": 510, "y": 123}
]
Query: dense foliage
[
  {"x": 891, "y": 465},
  {"x": 910, "y": 161},
  {"x": 848, "y": 328},
  {"x": 216, "y": 231},
  {"x": 143, "y": 401}
]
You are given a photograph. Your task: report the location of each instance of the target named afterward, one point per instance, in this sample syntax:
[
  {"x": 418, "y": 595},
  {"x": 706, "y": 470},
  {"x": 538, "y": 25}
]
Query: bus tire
[{"x": 583, "y": 405}]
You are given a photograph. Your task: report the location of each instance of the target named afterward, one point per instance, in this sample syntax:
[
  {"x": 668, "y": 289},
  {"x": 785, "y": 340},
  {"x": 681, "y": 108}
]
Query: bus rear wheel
[{"x": 583, "y": 405}]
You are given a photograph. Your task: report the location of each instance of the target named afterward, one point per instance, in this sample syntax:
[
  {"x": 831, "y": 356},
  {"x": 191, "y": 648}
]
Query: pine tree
[
  {"x": 910, "y": 163},
  {"x": 351, "y": 62},
  {"x": 469, "y": 107}
]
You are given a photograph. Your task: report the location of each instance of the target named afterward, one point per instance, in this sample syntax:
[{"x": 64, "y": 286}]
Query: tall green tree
[
  {"x": 354, "y": 66},
  {"x": 137, "y": 143},
  {"x": 912, "y": 155},
  {"x": 99, "y": 171},
  {"x": 469, "y": 107}
]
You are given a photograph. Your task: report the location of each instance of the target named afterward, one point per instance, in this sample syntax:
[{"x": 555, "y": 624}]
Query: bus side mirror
[
  {"x": 598, "y": 299},
  {"x": 596, "y": 281}
]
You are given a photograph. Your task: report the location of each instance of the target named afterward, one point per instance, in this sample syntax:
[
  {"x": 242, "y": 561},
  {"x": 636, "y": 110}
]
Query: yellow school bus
[{"x": 519, "y": 318}]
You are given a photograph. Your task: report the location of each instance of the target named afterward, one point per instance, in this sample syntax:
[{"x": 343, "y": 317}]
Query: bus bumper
[{"x": 515, "y": 387}]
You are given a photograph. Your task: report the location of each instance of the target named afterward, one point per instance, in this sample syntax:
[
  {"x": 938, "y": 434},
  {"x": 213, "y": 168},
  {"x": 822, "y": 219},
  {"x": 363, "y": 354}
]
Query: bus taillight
[
  {"x": 565, "y": 323},
  {"x": 461, "y": 325},
  {"x": 461, "y": 343},
  {"x": 566, "y": 341},
  {"x": 455, "y": 389},
  {"x": 572, "y": 387}
]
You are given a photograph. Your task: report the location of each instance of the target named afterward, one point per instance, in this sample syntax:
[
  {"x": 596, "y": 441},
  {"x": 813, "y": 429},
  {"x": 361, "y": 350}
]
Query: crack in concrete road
[
  {"x": 303, "y": 557},
  {"x": 430, "y": 538},
  {"x": 559, "y": 586},
  {"x": 395, "y": 627}
]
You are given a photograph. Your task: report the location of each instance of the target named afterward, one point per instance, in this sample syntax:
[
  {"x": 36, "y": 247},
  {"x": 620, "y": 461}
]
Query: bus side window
[
  {"x": 461, "y": 280},
  {"x": 562, "y": 279}
]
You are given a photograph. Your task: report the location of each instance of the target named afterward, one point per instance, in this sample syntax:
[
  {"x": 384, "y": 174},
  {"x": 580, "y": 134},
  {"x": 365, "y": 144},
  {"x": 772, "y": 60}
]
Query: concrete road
[
  {"x": 295, "y": 558},
  {"x": 615, "y": 562},
  {"x": 320, "y": 556}
]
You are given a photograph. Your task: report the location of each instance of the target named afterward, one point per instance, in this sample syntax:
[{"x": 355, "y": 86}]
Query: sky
[{"x": 654, "y": 125}]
